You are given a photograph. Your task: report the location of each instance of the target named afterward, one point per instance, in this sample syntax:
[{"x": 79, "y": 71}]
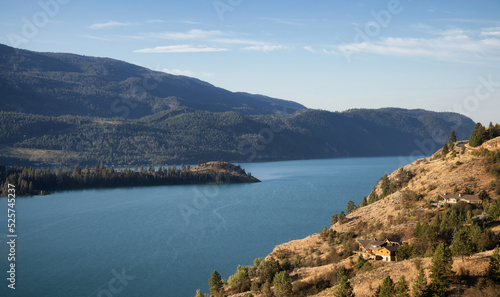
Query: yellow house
[{"x": 378, "y": 250}]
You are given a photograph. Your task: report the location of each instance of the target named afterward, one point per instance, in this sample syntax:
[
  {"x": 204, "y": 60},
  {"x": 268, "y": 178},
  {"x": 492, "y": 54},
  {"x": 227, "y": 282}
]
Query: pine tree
[
  {"x": 478, "y": 135},
  {"x": 463, "y": 245},
  {"x": 77, "y": 170},
  {"x": 484, "y": 196},
  {"x": 361, "y": 262},
  {"x": 420, "y": 284},
  {"x": 350, "y": 207},
  {"x": 334, "y": 219},
  {"x": 453, "y": 137},
  {"x": 385, "y": 185},
  {"x": 268, "y": 270},
  {"x": 364, "y": 202},
  {"x": 387, "y": 288},
  {"x": 445, "y": 150},
  {"x": 494, "y": 267},
  {"x": 442, "y": 263},
  {"x": 200, "y": 294},
  {"x": 240, "y": 281},
  {"x": 282, "y": 284},
  {"x": 215, "y": 282},
  {"x": 341, "y": 217},
  {"x": 345, "y": 288},
  {"x": 402, "y": 288}
]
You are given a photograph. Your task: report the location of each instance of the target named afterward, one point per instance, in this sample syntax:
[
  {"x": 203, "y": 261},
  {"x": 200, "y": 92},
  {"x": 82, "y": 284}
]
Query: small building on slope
[{"x": 379, "y": 250}]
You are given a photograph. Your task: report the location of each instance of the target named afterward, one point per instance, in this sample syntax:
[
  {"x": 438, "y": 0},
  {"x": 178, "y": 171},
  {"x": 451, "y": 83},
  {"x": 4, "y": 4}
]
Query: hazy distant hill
[{"x": 65, "y": 108}]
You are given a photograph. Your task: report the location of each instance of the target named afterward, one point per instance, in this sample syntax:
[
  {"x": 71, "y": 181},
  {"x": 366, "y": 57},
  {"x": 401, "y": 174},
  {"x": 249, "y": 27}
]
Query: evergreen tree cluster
[
  {"x": 455, "y": 228},
  {"x": 30, "y": 181},
  {"x": 480, "y": 134},
  {"x": 188, "y": 135}
]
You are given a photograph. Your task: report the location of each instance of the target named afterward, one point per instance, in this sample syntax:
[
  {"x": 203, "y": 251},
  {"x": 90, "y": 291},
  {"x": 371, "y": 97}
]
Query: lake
[{"x": 166, "y": 241}]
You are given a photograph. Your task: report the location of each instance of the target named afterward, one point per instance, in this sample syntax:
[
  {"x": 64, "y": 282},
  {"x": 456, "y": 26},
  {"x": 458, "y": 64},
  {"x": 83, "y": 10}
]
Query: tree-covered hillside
[
  {"x": 189, "y": 136},
  {"x": 65, "y": 108}
]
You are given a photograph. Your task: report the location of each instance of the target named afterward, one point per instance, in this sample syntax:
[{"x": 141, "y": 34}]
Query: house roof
[
  {"x": 461, "y": 197},
  {"x": 370, "y": 244},
  {"x": 392, "y": 248},
  {"x": 471, "y": 198}
]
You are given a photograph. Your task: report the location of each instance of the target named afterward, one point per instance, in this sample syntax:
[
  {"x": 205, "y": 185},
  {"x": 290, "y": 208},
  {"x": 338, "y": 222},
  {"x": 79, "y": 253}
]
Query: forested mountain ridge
[
  {"x": 190, "y": 136},
  {"x": 69, "y": 109},
  {"x": 57, "y": 84}
]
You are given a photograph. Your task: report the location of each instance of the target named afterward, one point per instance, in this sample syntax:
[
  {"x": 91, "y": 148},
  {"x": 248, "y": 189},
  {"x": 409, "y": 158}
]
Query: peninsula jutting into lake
[{"x": 32, "y": 181}]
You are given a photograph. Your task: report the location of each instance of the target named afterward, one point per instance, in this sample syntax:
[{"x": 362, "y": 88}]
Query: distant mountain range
[{"x": 65, "y": 108}]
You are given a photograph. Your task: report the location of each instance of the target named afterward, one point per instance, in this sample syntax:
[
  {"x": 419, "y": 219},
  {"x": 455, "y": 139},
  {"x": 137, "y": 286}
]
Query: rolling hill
[
  {"x": 55, "y": 84},
  {"x": 68, "y": 109}
]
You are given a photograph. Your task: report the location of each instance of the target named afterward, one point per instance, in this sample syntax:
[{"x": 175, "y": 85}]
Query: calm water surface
[{"x": 166, "y": 241}]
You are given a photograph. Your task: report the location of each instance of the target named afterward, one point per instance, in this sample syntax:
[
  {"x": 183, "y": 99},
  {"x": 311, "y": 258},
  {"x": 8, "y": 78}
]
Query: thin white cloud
[
  {"x": 264, "y": 48},
  {"x": 191, "y": 34},
  {"x": 184, "y": 48},
  {"x": 178, "y": 72},
  {"x": 109, "y": 24},
  {"x": 491, "y": 31},
  {"x": 472, "y": 21},
  {"x": 238, "y": 41},
  {"x": 310, "y": 49},
  {"x": 452, "y": 45},
  {"x": 96, "y": 37},
  {"x": 189, "y": 22}
]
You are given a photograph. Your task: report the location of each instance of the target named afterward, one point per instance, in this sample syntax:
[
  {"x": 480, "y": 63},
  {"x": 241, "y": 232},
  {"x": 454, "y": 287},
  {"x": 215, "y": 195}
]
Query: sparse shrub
[{"x": 332, "y": 256}]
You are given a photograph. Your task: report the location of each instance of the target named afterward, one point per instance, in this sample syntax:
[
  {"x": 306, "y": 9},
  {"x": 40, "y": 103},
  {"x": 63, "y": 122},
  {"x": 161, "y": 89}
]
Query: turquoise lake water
[{"x": 166, "y": 241}]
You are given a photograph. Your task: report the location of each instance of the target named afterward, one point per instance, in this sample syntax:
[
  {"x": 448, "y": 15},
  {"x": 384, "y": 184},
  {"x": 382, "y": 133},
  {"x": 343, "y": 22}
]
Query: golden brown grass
[{"x": 433, "y": 176}]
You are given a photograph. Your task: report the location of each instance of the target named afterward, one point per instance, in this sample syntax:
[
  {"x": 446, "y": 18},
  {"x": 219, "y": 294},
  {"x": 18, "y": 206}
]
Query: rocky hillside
[
  {"x": 224, "y": 172},
  {"x": 405, "y": 205}
]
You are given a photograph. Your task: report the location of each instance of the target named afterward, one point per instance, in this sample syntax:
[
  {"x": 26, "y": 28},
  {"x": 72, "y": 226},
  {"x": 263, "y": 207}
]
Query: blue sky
[{"x": 325, "y": 54}]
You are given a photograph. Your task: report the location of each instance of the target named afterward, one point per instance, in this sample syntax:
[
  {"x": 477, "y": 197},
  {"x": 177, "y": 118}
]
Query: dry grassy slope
[
  {"x": 433, "y": 175},
  {"x": 365, "y": 284}
]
